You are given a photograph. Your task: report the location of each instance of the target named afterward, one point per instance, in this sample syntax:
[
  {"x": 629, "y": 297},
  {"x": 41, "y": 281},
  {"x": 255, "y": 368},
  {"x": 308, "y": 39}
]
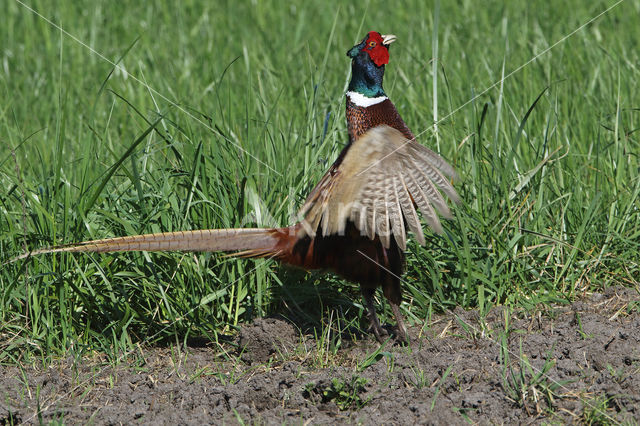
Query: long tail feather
[{"x": 262, "y": 240}]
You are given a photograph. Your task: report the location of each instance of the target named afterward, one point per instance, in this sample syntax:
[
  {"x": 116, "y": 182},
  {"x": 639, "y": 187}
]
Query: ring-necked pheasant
[{"x": 355, "y": 220}]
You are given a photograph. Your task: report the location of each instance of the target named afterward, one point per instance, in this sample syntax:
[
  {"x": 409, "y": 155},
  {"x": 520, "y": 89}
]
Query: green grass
[{"x": 242, "y": 115}]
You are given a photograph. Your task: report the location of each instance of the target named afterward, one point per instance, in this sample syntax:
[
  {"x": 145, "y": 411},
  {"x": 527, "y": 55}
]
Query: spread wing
[{"x": 378, "y": 184}]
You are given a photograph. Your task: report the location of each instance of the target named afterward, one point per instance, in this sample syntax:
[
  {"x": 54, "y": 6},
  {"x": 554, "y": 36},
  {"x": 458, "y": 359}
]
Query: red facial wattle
[{"x": 377, "y": 51}]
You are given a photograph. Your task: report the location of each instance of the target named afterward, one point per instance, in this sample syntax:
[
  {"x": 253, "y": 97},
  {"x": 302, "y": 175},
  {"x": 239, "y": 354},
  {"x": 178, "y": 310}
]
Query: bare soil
[{"x": 576, "y": 363}]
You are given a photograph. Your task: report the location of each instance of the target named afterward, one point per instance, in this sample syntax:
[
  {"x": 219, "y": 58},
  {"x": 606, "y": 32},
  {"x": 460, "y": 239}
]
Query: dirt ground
[{"x": 455, "y": 372}]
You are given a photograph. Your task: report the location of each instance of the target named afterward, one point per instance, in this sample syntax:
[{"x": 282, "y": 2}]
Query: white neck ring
[{"x": 364, "y": 101}]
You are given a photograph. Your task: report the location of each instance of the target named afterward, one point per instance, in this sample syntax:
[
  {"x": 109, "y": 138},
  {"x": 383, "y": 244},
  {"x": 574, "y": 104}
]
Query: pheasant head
[{"x": 368, "y": 59}]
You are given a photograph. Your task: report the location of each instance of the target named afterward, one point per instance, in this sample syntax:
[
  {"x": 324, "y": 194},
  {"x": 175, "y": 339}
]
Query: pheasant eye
[{"x": 372, "y": 44}]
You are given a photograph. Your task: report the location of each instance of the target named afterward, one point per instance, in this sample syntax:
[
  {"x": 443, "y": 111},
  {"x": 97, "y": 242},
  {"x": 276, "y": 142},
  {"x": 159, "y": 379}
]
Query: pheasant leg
[
  {"x": 402, "y": 331},
  {"x": 379, "y": 332}
]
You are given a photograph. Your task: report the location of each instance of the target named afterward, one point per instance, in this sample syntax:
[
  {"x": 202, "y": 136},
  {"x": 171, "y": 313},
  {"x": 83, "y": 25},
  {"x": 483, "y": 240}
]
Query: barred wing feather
[{"x": 377, "y": 186}]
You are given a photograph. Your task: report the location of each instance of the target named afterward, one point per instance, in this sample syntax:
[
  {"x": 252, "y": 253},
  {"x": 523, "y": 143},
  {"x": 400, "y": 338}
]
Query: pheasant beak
[{"x": 387, "y": 39}]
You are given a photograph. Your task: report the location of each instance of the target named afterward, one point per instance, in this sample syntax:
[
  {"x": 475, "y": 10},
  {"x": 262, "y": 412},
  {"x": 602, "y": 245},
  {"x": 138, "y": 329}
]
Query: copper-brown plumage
[
  {"x": 360, "y": 119},
  {"x": 355, "y": 220}
]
